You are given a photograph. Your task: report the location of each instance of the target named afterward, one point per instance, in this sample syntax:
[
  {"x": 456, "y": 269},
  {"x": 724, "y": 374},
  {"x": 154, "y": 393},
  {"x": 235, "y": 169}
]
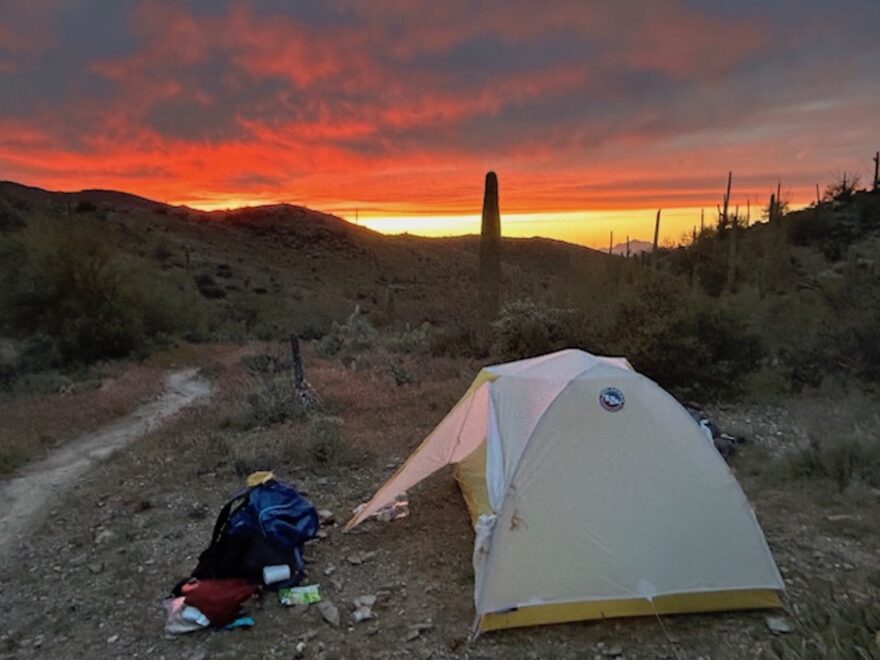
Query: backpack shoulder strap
[{"x": 223, "y": 516}]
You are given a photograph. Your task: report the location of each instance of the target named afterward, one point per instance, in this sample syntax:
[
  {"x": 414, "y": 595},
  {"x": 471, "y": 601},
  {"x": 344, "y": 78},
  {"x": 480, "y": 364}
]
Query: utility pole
[{"x": 611, "y": 243}]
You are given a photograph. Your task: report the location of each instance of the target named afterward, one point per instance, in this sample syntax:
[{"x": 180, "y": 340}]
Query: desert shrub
[
  {"x": 161, "y": 251},
  {"x": 353, "y": 336},
  {"x": 325, "y": 443},
  {"x": 401, "y": 375},
  {"x": 272, "y": 401},
  {"x": 683, "y": 341},
  {"x": 843, "y": 446},
  {"x": 843, "y": 187},
  {"x": 70, "y": 298},
  {"x": 10, "y": 217},
  {"x": 11, "y": 458},
  {"x": 803, "y": 364},
  {"x": 842, "y": 459},
  {"x": 463, "y": 339},
  {"x": 69, "y": 292},
  {"x": 411, "y": 340},
  {"x": 208, "y": 287},
  {"x": 821, "y": 229},
  {"x": 8, "y": 376},
  {"x": 848, "y": 343},
  {"x": 85, "y": 206},
  {"x": 525, "y": 329}
]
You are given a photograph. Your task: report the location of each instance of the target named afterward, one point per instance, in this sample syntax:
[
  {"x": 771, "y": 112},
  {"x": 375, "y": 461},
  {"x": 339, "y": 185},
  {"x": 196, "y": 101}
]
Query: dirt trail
[{"x": 26, "y": 496}]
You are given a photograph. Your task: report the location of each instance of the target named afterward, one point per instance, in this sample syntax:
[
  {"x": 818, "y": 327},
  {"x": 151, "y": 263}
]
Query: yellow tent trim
[
  {"x": 470, "y": 472},
  {"x": 712, "y": 601}
]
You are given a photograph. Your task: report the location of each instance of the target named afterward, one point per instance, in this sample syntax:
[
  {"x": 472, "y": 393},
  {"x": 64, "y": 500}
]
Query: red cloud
[{"x": 376, "y": 111}]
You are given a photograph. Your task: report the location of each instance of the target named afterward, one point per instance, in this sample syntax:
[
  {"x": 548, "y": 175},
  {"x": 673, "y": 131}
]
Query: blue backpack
[{"x": 263, "y": 525}]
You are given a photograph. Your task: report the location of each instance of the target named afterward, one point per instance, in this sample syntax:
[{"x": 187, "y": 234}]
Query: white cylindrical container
[{"x": 272, "y": 574}]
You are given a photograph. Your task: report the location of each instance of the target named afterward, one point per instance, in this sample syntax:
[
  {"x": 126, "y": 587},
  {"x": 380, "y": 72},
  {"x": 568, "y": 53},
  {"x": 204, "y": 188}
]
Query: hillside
[
  {"x": 288, "y": 268},
  {"x": 808, "y": 282}
]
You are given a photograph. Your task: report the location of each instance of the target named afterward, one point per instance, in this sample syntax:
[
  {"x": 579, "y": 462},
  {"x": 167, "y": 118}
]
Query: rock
[
  {"x": 299, "y": 650},
  {"x": 362, "y": 613},
  {"x": 330, "y": 612},
  {"x": 96, "y": 567},
  {"x": 196, "y": 654},
  {"x": 112, "y": 639},
  {"x": 841, "y": 517},
  {"x": 778, "y": 625},
  {"x": 321, "y": 534},
  {"x": 358, "y": 558},
  {"x": 612, "y": 651},
  {"x": 103, "y": 535},
  {"x": 326, "y": 517},
  {"x": 412, "y": 635},
  {"x": 367, "y": 600},
  {"x": 330, "y": 570}
]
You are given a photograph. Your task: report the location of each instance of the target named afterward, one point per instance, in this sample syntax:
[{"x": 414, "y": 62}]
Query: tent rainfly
[{"x": 593, "y": 494}]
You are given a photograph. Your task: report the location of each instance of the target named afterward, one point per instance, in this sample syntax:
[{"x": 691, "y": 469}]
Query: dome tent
[{"x": 593, "y": 494}]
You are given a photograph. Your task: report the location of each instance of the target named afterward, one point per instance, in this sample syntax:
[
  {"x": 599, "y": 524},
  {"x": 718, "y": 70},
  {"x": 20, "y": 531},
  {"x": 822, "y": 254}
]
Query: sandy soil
[{"x": 89, "y": 581}]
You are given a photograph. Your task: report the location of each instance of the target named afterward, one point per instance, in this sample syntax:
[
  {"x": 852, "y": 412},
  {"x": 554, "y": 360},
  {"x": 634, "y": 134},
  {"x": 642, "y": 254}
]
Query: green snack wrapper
[{"x": 310, "y": 593}]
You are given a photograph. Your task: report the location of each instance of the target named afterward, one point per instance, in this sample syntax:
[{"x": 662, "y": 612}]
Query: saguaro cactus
[
  {"x": 656, "y": 240},
  {"x": 876, "y": 171},
  {"x": 490, "y": 250},
  {"x": 726, "y": 199}
]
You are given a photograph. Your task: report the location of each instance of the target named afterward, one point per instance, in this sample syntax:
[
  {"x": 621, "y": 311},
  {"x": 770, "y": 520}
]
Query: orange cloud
[{"x": 399, "y": 108}]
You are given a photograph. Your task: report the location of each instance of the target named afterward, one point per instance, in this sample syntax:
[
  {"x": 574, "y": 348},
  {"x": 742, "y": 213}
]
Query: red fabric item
[{"x": 219, "y": 600}]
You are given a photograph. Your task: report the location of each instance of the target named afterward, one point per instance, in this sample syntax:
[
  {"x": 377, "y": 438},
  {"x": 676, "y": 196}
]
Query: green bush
[
  {"x": 412, "y": 340},
  {"x": 353, "y": 336},
  {"x": 325, "y": 440},
  {"x": 842, "y": 460},
  {"x": 683, "y": 341},
  {"x": 525, "y": 329},
  {"x": 273, "y": 401},
  {"x": 463, "y": 339},
  {"x": 70, "y": 297},
  {"x": 10, "y": 218}
]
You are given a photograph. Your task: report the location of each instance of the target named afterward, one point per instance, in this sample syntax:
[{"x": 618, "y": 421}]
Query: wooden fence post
[{"x": 307, "y": 396}]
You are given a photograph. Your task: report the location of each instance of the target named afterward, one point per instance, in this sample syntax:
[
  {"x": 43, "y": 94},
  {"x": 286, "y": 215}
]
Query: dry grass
[
  {"x": 33, "y": 424},
  {"x": 176, "y": 479},
  {"x": 842, "y": 442}
]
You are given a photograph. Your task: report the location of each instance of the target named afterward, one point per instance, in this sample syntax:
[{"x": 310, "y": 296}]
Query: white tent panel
[
  {"x": 458, "y": 435},
  {"x": 615, "y": 505}
]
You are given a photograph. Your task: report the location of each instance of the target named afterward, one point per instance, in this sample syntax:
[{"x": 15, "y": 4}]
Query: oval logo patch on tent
[{"x": 611, "y": 399}]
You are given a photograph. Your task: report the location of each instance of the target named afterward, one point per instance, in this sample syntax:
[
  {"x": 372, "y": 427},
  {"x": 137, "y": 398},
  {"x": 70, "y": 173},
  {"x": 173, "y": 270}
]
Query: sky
[{"x": 593, "y": 114}]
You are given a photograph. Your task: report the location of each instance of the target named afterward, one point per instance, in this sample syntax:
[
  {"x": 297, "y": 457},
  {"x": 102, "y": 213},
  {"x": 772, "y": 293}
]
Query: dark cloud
[{"x": 343, "y": 101}]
